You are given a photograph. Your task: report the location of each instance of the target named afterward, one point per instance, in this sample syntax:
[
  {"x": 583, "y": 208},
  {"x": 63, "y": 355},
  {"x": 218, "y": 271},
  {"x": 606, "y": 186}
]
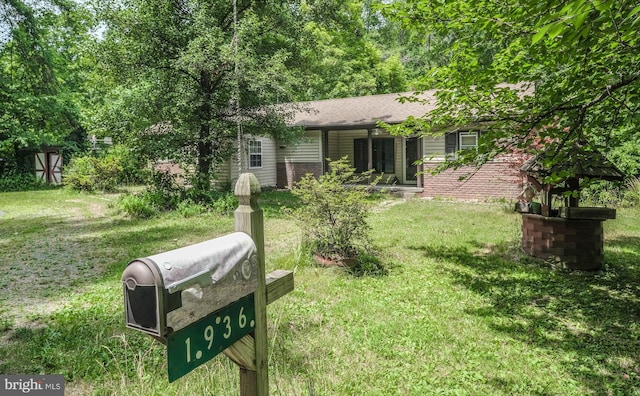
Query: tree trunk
[{"x": 205, "y": 144}]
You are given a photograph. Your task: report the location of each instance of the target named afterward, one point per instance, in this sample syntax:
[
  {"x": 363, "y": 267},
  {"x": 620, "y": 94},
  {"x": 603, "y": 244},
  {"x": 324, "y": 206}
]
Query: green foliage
[
  {"x": 39, "y": 82},
  {"x": 370, "y": 265},
  {"x": 134, "y": 170},
  {"x": 333, "y": 211},
  {"x": 137, "y": 206},
  {"x": 189, "y": 209},
  {"x": 178, "y": 81},
  {"x": 225, "y": 203},
  {"x": 14, "y": 181},
  {"x": 81, "y": 174},
  {"x": 572, "y": 66},
  {"x": 88, "y": 173},
  {"x": 632, "y": 194},
  {"x": 350, "y": 49},
  {"x": 109, "y": 171},
  {"x": 621, "y": 195},
  {"x": 164, "y": 192}
]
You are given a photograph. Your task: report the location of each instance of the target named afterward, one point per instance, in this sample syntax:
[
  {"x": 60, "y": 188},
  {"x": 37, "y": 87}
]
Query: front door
[{"x": 410, "y": 157}]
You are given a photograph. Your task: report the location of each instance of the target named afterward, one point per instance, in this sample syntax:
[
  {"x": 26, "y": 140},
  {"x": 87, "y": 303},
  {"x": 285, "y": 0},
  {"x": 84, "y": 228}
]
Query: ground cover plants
[{"x": 458, "y": 309}]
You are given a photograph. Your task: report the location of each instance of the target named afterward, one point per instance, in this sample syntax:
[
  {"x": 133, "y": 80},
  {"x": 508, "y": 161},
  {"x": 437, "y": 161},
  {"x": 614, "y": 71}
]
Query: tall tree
[
  {"x": 184, "y": 80},
  {"x": 342, "y": 52},
  {"x": 38, "y": 83},
  {"x": 576, "y": 63}
]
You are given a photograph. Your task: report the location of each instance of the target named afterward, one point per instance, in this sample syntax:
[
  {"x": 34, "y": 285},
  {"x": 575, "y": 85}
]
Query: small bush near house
[
  {"x": 333, "y": 212},
  {"x": 109, "y": 170},
  {"x": 164, "y": 192},
  {"x": 80, "y": 174}
]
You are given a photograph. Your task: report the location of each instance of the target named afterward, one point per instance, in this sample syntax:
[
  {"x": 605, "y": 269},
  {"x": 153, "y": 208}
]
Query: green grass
[{"x": 459, "y": 310}]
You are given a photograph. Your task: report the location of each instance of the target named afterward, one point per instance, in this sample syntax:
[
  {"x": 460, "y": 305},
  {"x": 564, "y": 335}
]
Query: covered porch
[{"x": 349, "y": 127}]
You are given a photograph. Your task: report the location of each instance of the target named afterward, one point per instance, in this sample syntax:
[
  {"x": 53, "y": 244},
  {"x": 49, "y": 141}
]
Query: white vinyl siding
[
  {"x": 345, "y": 143},
  {"x": 266, "y": 175},
  {"x": 433, "y": 147},
  {"x": 309, "y": 149}
]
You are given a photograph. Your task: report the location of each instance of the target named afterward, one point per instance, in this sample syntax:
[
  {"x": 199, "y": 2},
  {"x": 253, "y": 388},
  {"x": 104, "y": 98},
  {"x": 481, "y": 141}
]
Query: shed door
[
  {"x": 55, "y": 168},
  {"x": 41, "y": 167}
]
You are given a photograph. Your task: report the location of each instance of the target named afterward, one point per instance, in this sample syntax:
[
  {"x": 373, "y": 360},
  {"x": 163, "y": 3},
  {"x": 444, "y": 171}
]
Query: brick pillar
[{"x": 288, "y": 173}]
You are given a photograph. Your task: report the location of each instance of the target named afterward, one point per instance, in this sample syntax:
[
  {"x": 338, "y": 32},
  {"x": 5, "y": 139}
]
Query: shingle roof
[{"x": 361, "y": 112}]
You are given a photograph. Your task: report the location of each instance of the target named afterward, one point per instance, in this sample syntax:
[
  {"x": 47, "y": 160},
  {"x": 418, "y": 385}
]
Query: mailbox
[{"x": 168, "y": 291}]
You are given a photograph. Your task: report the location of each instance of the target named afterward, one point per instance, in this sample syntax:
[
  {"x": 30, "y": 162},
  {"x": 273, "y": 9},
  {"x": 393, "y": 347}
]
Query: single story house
[{"x": 335, "y": 128}]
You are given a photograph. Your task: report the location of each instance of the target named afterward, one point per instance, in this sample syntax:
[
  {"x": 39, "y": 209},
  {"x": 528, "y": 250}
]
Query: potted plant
[{"x": 333, "y": 214}]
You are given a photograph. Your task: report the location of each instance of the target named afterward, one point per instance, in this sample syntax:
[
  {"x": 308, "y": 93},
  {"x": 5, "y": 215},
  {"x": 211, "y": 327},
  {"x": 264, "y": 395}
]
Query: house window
[
  {"x": 382, "y": 150},
  {"x": 468, "y": 140},
  {"x": 255, "y": 154},
  {"x": 455, "y": 141}
]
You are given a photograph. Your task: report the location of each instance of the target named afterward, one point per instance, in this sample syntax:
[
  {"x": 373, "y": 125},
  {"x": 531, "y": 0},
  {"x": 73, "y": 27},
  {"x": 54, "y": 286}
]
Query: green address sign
[{"x": 199, "y": 342}]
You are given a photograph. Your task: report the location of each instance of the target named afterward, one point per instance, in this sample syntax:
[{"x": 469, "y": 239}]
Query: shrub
[
  {"x": 22, "y": 182},
  {"x": 225, "y": 203},
  {"x": 89, "y": 173},
  {"x": 133, "y": 170},
  {"x": 603, "y": 193},
  {"x": 333, "y": 211},
  {"x": 631, "y": 195},
  {"x": 164, "y": 192},
  {"x": 188, "y": 208},
  {"x": 138, "y": 206},
  {"x": 81, "y": 174},
  {"x": 109, "y": 170}
]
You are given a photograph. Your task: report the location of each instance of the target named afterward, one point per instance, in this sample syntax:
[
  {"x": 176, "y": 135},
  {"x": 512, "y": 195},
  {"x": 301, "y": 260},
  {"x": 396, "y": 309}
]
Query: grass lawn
[{"x": 456, "y": 311}]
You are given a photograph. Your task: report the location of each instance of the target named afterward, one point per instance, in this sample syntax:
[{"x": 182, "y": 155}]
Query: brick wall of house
[
  {"x": 291, "y": 172},
  {"x": 493, "y": 180}
]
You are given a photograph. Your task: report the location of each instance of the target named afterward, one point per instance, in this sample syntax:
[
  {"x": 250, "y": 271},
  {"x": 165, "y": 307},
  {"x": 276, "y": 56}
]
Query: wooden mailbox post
[{"x": 151, "y": 301}]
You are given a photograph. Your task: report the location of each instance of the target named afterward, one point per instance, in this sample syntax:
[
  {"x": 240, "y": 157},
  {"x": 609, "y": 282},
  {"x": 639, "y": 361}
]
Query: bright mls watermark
[{"x": 39, "y": 385}]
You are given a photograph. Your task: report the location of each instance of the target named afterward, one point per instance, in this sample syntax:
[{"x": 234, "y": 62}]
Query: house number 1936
[
  {"x": 209, "y": 332},
  {"x": 201, "y": 341}
]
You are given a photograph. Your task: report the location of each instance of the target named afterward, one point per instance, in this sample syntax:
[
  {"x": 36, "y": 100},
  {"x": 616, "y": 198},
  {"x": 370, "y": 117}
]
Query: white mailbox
[{"x": 166, "y": 292}]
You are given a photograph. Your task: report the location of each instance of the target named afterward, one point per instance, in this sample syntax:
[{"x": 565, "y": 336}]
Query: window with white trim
[
  {"x": 255, "y": 154},
  {"x": 455, "y": 141},
  {"x": 468, "y": 140}
]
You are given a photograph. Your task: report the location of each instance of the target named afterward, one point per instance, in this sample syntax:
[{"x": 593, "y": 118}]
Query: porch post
[
  {"x": 325, "y": 151},
  {"x": 369, "y": 150},
  {"x": 420, "y": 167}
]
